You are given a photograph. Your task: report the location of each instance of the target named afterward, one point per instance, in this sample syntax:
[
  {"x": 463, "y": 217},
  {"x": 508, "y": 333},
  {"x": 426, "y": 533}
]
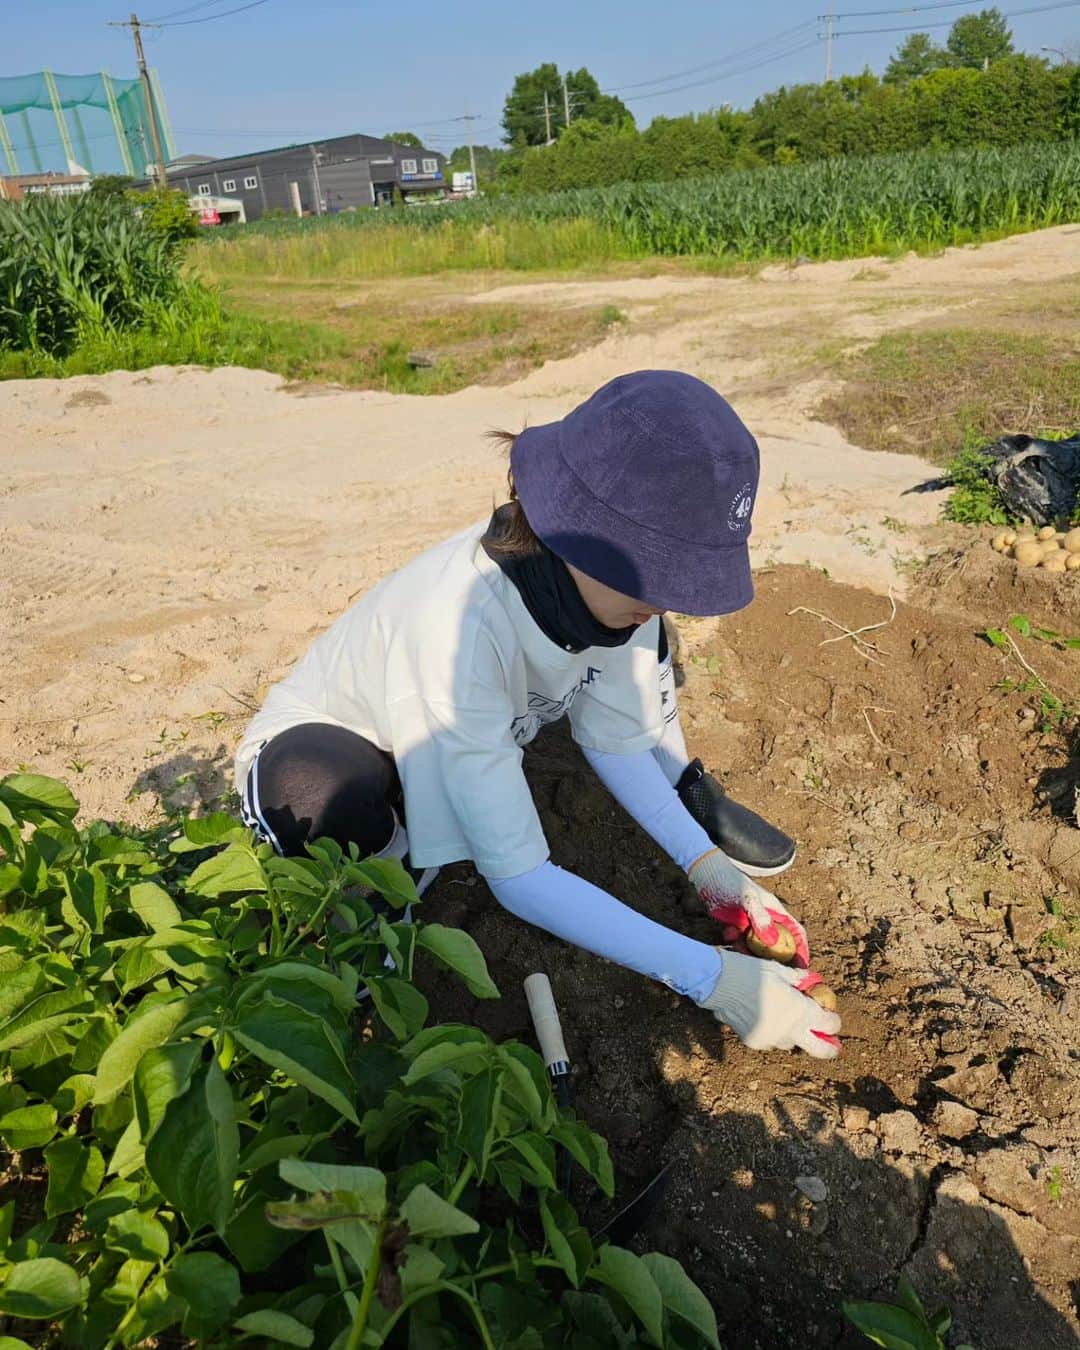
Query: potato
[
  {"x": 1047, "y": 532},
  {"x": 1028, "y": 553},
  {"x": 1010, "y": 538},
  {"x": 1054, "y": 564},
  {"x": 823, "y": 995},
  {"x": 784, "y": 950},
  {"x": 1072, "y": 541},
  {"x": 1050, "y": 547},
  {"x": 998, "y": 543},
  {"x": 1072, "y": 562}
]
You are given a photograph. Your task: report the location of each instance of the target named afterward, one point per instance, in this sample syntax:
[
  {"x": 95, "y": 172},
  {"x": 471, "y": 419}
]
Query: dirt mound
[{"x": 944, "y": 1141}]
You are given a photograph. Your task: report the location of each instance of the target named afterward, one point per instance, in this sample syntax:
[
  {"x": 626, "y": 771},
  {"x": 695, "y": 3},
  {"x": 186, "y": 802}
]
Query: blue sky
[{"x": 288, "y": 70}]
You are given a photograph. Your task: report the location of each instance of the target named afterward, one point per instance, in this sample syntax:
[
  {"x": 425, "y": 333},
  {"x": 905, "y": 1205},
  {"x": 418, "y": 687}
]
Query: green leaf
[
  {"x": 303, "y": 973},
  {"x": 76, "y": 1171},
  {"x": 430, "y": 1216},
  {"x": 528, "y": 1084},
  {"x": 13, "y": 1343},
  {"x": 442, "y": 1057},
  {"x": 997, "y": 637},
  {"x": 138, "y": 1235},
  {"x": 193, "y": 1154},
  {"x": 30, "y": 796},
  {"x": 422, "y": 1267},
  {"x": 589, "y": 1149},
  {"x": 538, "y": 1157},
  {"x": 236, "y": 869},
  {"x": 906, "y": 1295},
  {"x": 629, "y": 1276},
  {"x": 682, "y": 1298},
  {"x": 456, "y": 950},
  {"x": 1021, "y": 624},
  {"x": 274, "y": 1326},
  {"x": 41, "y": 1288},
  {"x": 480, "y": 1097},
  {"x": 365, "y": 1185},
  {"x": 389, "y": 877},
  {"x": 564, "y": 1239},
  {"x": 28, "y": 1126},
  {"x": 45, "y": 1014},
  {"x": 74, "y": 1093},
  {"x": 317, "y": 1211},
  {"x": 128, "y": 1155},
  {"x": 891, "y": 1327},
  {"x": 161, "y": 1076},
  {"x": 140, "y": 1033},
  {"x": 301, "y": 1046},
  {"x": 207, "y": 831},
  {"x": 402, "y": 1007},
  {"x": 209, "y": 1285},
  {"x": 155, "y": 906}
]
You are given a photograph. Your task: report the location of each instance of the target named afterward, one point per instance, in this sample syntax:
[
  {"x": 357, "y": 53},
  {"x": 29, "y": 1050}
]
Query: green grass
[{"x": 937, "y": 394}]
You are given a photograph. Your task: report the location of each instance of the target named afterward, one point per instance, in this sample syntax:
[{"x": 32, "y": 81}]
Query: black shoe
[{"x": 753, "y": 845}]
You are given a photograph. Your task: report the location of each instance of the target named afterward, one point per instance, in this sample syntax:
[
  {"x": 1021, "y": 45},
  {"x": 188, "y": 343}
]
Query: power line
[
  {"x": 903, "y": 9},
  {"x": 723, "y": 61},
  {"x": 947, "y": 23},
  {"x": 740, "y": 70},
  {"x": 209, "y": 18},
  {"x": 188, "y": 9}
]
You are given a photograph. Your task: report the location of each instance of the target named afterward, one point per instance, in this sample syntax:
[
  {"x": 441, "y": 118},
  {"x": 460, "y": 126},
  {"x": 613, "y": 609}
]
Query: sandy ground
[{"x": 171, "y": 541}]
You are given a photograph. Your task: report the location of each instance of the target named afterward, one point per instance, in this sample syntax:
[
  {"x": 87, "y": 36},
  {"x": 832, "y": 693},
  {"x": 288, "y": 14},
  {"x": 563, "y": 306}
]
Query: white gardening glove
[
  {"x": 761, "y": 1002},
  {"x": 738, "y": 903}
]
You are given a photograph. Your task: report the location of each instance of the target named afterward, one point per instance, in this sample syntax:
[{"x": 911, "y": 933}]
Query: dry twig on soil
[{"x": 861, "y": 645}]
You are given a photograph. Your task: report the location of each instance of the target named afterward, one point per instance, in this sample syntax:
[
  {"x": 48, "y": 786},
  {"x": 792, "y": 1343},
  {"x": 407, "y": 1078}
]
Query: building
[
  {"x": 316, "y": 178},
  {"x": 19, "y": 185}
]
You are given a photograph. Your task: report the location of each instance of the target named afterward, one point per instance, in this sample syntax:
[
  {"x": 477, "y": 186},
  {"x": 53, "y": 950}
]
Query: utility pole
[
  {"x": 830, "y": 20},
  {"x": 547, "y": 117},
  {"x": 148, "y": 94},
  {"x": 468, "y": 119},
  {"x": 566, "y": 99}
]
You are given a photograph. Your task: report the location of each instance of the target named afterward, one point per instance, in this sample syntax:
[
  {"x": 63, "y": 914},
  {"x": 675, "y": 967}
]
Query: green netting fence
[{"x": 100, "y": 123}]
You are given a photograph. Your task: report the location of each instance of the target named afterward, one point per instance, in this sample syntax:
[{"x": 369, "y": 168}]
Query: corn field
[
  {"x": 75, "y": 268},
  {"x": 841, "y": 207}
]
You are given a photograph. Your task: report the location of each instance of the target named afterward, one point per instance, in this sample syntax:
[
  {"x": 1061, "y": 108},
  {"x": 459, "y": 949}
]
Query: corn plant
[{"x": 220, "y": 1143}]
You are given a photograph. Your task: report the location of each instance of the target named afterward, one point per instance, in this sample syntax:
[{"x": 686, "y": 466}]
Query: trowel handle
[{"x": 545, "y": 1018}]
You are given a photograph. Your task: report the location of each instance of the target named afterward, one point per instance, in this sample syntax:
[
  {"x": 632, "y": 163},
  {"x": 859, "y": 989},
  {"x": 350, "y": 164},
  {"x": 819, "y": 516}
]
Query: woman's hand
[
  {"x": 763, "y": 1003},
  {"x": 738, "y": 903}
]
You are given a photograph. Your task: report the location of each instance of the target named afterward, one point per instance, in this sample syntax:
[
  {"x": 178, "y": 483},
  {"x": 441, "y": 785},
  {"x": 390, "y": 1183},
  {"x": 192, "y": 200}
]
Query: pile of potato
[{"x": 1052, "y": 550}]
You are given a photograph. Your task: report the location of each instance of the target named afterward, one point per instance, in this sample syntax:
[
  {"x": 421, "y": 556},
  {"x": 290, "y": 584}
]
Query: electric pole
[
  {"x": 830, "y": 20},
  {"x": 148, "y": 94},
  {"x": 566, "y": 99},
  {"x": 547, "y": 117},
  {"x": 469, "y": 119}
]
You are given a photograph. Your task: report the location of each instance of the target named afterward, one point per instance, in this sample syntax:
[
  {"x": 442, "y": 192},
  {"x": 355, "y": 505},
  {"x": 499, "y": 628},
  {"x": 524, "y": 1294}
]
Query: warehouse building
[{"x": 316, "y": 178}]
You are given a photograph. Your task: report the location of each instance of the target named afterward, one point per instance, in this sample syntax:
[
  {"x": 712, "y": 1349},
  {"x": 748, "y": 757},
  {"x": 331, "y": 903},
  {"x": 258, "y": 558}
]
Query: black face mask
[{"x": 551, "y": 596}]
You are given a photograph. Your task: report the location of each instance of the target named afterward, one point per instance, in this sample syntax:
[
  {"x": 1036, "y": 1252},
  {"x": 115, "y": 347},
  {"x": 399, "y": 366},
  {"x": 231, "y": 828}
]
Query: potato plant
[{"x": 214, "y": 1140}]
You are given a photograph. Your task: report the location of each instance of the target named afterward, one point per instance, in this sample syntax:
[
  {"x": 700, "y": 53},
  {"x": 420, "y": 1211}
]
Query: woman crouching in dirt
[{"x": 414, "y": 706}]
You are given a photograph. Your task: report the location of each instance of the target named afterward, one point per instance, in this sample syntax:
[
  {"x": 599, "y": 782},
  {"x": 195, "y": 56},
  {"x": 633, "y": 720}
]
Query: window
[
  {"x": 228, "y": 185},
  {"x": 204, "y": 189},
  {"x": 408, "y": 166},
  {"x": 431, "y": 166},
  {"x": 251, "y": 182}
]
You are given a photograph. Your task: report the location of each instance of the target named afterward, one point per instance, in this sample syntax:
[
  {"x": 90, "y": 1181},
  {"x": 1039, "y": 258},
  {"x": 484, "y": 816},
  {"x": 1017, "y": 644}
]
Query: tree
[
  {"x": 405, "y": 138},
  {"x": 917, "y": 55},
  {"x": 977, "y": 39},
  {"x": 523, "y": 112},
  {"x": 113, "y": 185}
]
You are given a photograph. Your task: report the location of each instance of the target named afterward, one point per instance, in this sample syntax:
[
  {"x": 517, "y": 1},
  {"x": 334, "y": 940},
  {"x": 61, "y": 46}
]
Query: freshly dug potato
[
  {"x": 1028, "y": 553},
  {"x": 1010, "y": 538},
  {"x": 1055, "y": 564},
  {"x": 1072, "y": 562},
  {"x": 1050, "y": 547},
  {"x": 823, "y": 995},
  {"x": 784, "y": 951},
  {"x": 998, "y": 543},
  {"x": 1072, "y": 541},
  {"x": 1047, "y": 532}
]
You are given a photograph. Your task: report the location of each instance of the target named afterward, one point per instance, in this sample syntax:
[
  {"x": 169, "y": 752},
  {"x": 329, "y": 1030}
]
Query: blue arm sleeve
[{"x": 578, "y": 912}]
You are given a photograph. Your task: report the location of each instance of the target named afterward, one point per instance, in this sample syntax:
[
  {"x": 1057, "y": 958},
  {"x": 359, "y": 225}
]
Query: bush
[{"x": 208, "y": 1146}]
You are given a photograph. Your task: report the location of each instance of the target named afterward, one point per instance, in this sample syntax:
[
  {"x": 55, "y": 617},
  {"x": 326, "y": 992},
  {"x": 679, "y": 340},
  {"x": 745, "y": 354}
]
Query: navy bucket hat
[{"x": 648, "y": 487}]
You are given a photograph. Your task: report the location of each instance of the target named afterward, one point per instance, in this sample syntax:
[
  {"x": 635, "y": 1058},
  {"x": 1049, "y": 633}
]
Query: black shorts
[{"x": 318, "y": 781}]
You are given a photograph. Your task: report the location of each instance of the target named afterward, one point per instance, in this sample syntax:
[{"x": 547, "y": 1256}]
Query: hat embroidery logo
[{"x": 741, "y": 507}]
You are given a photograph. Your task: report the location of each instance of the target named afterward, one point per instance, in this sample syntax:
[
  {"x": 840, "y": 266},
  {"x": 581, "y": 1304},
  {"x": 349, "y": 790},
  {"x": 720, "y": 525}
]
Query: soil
[
  {"x": 944, "y": 1142},
  {"x": 171, "y": 542}
]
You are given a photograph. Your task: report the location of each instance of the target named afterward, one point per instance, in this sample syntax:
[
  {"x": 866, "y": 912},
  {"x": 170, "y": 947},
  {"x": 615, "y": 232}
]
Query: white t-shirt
[{"x": 442, "y": 666}]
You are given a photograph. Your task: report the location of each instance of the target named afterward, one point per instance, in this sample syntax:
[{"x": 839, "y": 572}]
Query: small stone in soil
[
  {"x": 813, "y": 1188},
  {"x": 900, "y": 1131},
  {"x": 856, "y": 1118},
  {"x": 954, "y": 1121}
]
